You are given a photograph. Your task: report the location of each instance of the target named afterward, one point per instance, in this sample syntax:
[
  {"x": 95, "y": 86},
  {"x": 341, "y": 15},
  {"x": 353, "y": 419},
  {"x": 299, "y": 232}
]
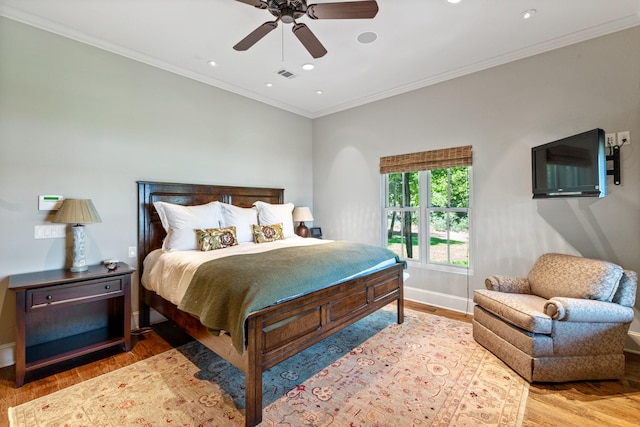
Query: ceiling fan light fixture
[{"x": 528, "y": 13}]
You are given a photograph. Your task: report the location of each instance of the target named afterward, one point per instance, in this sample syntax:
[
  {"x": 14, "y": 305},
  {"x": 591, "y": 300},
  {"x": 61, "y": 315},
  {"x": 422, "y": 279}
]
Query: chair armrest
[
  {"x": 586, "y": 310},
  {"x": 510, "y": 285},
  {"x": 626, "y": 292}
]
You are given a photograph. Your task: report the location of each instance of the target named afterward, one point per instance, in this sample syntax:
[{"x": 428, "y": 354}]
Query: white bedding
[{"x": 169, "y": 273}]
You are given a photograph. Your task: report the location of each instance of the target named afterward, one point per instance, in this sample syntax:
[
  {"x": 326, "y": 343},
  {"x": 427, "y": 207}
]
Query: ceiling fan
[{"x": 288, "y": 11}]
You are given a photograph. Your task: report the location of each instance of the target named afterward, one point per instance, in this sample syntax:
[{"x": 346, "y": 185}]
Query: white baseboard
[
  {"x": 633, "y": 342},
  {"x": 436, "y": 299},
  {"x": 7, "y": 354},
  {"x": 154, "y": 317}
]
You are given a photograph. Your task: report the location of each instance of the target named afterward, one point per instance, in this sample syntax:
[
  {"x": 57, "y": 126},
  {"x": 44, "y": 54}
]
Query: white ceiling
[{"x": 420, "y": 42}]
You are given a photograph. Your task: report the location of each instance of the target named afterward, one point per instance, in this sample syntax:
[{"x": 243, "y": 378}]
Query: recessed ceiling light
[
  {"x": 212, "y": 63},
  {"x": 268, "y": 84},
  {"x": 319, "y": 92},
  {"x": 308, "y": 67},
  {"x": 528, "y": 13},
  {"x": 453, "y": 1},
  {"x": 367, "y": 37}
]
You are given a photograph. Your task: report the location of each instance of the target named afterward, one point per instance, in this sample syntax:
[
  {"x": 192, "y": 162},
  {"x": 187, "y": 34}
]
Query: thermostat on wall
[{"x": 49, "y": 202}]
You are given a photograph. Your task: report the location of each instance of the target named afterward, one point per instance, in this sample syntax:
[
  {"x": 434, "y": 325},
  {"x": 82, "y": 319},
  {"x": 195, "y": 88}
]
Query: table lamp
[
  {"x": 78, "y": 212},
  {"x": 302, "y": 214}
]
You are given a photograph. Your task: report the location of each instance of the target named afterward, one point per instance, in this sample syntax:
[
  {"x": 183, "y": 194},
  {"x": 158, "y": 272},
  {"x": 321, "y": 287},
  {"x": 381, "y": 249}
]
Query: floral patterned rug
[{"x": 426, "y": 372}]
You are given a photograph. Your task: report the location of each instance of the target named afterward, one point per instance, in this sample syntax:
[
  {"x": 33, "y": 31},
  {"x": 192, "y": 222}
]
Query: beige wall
[
  {"x": 502, "y": 112},
  {"x": 81, "y": 122}
]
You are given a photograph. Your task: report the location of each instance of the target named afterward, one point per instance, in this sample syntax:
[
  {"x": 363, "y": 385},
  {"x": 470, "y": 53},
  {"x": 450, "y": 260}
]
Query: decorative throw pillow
[
  {"x": 216, "y": 238},
  {"x": 267, "y": 233}
]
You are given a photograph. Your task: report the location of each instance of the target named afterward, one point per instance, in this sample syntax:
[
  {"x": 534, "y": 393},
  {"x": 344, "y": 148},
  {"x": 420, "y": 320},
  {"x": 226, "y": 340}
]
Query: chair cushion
[
  {"x": 521, "y": 310},
  {"x": 560, "y": 275},
  {"x": 535, "y": 345}
]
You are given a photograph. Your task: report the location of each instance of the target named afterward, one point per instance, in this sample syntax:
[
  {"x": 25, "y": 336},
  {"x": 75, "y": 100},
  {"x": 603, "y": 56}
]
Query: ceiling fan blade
[
  {"x": 343, "y": 10},
  {"x": 256, "y": 35},
  {"x": 257, "y": 3},
  {"x": 309, "y": 40}
]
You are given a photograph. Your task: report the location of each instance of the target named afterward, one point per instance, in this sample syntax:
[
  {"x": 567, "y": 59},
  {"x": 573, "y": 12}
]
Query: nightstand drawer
[{"x": 42, "y": 297}]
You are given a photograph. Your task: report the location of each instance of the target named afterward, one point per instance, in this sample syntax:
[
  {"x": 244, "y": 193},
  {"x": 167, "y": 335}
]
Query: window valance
[{"x": 427, "y": 160}]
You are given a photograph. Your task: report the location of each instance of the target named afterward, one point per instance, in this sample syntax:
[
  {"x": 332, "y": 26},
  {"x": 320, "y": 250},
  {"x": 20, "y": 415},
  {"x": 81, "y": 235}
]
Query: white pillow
[
  {"x": 242, "y": 219},
  {"x": 180, "y": 223},
  {"x": 269, "y": 214}
]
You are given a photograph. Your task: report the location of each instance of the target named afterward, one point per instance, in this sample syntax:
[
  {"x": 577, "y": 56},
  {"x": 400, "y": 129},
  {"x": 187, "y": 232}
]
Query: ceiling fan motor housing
[{"x": 287, "y": 10}]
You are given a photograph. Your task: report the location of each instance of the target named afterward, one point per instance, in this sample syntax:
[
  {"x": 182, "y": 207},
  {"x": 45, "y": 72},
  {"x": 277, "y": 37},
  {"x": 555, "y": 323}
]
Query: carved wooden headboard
[{"x": 150, "y": 231}]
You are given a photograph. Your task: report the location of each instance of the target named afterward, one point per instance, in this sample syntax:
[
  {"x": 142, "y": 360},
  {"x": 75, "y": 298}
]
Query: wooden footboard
[{"x": 281, "y": 331}]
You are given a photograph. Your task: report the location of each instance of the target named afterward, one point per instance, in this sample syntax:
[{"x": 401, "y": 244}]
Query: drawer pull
[
  {"x": 108, "y": 287},
  {"x": 49, "y": 297}
]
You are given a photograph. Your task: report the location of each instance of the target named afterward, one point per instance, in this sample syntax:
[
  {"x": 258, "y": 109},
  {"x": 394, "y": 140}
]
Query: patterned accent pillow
[
  {"x": 267, "y": 233},
  {"x": 216, "y": 238}
]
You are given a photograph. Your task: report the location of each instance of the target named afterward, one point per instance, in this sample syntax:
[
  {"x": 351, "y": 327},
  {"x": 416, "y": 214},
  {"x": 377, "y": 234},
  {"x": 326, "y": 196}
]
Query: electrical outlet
[
  {"x": 132, "y": 252},
  {"x": 610, "y": 139},
  {"x": 624, "y": 138}
]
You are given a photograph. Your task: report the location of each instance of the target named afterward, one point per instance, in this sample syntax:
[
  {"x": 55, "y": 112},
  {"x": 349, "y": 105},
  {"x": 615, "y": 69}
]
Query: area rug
[{"x": 426, "y": 372}]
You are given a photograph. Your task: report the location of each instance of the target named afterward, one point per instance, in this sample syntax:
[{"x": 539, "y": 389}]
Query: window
[{"x": 426, "y": 211}]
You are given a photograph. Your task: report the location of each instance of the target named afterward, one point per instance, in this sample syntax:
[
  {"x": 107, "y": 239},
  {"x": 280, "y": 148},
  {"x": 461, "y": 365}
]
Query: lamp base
[
  {"x": 302, "y": 230},
  {"x": 78, "y": 261}
]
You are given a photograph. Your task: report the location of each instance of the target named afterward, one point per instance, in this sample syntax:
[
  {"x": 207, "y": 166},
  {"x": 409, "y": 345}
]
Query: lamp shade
[
  {"x": 302, "y": 214},
  {"x": 77, "y": 211}
]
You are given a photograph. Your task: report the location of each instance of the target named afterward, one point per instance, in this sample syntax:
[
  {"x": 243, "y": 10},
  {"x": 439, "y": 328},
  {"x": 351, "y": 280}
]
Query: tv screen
[{"x": 570, "y": 167}]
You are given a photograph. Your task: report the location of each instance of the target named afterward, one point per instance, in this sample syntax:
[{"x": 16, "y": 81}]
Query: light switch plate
[{"x": 49, "y": 231}]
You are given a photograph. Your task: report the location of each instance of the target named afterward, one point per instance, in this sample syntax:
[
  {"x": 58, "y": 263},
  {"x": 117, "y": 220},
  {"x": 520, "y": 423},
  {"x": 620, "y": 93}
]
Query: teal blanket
[{"x": 223, "y": 292}]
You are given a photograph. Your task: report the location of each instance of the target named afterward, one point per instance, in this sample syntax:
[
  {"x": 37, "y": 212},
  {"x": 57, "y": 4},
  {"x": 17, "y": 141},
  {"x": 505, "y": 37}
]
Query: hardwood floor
[{"x": 584, "y": 404}]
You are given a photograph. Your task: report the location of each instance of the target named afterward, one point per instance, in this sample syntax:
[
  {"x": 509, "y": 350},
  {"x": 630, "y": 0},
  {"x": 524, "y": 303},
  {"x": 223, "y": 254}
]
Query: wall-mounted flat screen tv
[{"x": 570, "y": 167}]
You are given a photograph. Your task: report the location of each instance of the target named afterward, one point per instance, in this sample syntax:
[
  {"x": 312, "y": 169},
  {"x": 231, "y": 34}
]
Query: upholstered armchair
[{"x": 566, "y": 321}]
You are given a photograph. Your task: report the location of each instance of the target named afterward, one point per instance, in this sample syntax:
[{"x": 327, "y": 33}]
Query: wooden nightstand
[{"x": 61, "y": 315}]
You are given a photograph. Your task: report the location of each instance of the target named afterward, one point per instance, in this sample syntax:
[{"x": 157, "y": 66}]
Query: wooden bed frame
[{"x": 274, "y": 333}]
